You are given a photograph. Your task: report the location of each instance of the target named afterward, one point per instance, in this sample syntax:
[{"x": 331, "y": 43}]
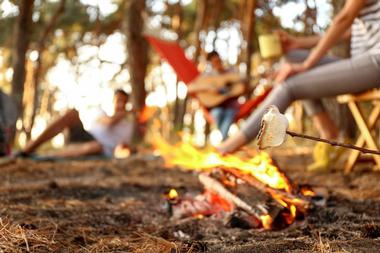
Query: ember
[
  {"x": 173, "y": 194},
  {"x": 259, "y": 171}
]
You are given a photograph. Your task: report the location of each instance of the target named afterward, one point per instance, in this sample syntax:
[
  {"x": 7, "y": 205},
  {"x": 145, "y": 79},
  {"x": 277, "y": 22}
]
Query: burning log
[
  {"x": 258, "y": 171},
  {"x": 299, "y": 201},
  {"x": 217, "y": 187},
  {"x": 205, "y": 204}
]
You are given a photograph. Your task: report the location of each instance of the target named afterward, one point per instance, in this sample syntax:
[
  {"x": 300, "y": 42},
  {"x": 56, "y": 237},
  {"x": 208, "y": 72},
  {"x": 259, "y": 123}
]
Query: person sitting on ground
[
  {"x": 224, "y": 113},
  {"x": 102, "y": 137},
  {"x": 359, "y": 73}
]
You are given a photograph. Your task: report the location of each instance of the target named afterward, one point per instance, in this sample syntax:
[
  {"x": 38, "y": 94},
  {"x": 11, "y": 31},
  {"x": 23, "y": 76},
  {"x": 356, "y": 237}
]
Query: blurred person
[
  {"x": 358, "y": 20},
  {"x": 104, "y": 134},
  {"x": 224, "y": 113}
]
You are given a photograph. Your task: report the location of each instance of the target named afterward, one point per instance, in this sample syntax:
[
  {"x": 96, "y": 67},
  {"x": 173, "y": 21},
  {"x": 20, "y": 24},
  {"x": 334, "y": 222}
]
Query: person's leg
[
  {"x": 217, "y": 115},
  {"x": 78, "y": 150},
  {"x": 322, "y": 121},
  {"x": 70, "y": 118},
  {"x": 227, "y": 120},
  {"x": 346, "y": 76},
  {"x": 314, "y": 108}
]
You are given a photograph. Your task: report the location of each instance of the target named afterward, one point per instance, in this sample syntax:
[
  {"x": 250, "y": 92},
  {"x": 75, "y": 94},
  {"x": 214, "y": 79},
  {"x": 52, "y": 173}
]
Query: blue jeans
[{"x": 224, "y": 118}]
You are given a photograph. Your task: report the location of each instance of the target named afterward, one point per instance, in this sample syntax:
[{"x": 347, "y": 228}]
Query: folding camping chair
[
  {"x": 187, "y": 71},
  {"x": 365, "y": 125}
]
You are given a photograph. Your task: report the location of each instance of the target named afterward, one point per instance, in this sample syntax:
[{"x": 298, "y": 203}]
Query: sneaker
[{"x": 324, "y": 155}]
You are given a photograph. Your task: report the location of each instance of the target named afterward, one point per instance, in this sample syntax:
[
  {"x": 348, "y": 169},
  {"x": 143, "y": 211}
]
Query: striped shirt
[{"x": 365, "y": 36}]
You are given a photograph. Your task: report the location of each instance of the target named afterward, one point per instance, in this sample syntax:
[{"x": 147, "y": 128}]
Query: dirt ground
[{"x": 116, "y": 206}]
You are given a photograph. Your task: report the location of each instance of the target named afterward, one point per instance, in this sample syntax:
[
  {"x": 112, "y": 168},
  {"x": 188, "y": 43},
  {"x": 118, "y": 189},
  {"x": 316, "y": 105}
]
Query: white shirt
[{"x": 110, "y": 136}]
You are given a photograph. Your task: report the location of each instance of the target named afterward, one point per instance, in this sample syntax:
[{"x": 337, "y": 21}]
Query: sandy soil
[{"x": 116, "y": 206}]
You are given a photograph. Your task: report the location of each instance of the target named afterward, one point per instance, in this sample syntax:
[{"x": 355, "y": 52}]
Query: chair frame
[{"x": 365, "y": 126}]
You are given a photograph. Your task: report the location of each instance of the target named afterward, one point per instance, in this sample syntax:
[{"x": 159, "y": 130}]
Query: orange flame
[
  {"x": 218, "y": 201},
  {"x": 267, "y": 221},
  {"x": 306, "y": 191},
  {"x": 187, "y": 156},
  {"x": 146, "y": 113}
]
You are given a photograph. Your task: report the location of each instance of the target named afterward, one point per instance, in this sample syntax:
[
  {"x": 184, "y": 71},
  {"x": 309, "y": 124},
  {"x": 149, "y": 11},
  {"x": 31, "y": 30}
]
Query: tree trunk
[
  {"x": 179, "y": 104},
  {"x": 199, "y": 24},
  {"x": 309, "y": 19},
  {"x": 21, "y": 44},
  {"x": 137, "y": 54},
  {"x": 38, "y": 69},
  {"x": 248, "y": 29}
]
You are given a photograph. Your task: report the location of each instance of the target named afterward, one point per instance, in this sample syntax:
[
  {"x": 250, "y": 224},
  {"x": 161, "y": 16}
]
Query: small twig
[{"x": 334, "y": 143}]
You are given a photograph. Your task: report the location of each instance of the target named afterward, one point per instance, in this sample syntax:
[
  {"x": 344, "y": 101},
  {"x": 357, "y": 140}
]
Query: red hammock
[{"x": 187, "y": 71}]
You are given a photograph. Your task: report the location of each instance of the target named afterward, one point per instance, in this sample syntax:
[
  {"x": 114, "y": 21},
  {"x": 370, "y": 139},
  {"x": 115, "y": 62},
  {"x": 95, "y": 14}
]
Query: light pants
[{"x": 352, "y": 75}]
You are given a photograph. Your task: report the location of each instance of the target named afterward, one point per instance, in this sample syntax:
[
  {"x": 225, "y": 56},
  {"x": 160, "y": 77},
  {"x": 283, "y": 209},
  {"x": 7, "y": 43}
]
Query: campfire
[{"x": 252, "y": 191}]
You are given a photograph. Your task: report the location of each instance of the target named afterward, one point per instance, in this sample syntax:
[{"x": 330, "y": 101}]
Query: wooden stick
[
  {"x": 214, "y": 185},
  {"x": 334, "y": 143}
]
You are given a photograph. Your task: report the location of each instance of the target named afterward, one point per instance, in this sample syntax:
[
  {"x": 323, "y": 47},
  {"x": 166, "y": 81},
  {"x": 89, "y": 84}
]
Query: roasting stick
[
  {"x": 334, "y": 143},
  {"x": 274, "y": 127}
]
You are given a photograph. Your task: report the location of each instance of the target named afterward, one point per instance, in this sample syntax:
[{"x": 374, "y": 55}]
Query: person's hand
[
  {"x": 288, "y": 70},
  {"x": 232, "y": 144},
  {"x": 288, "y": 42}
]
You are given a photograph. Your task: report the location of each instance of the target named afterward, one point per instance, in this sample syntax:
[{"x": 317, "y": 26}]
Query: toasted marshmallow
[{"x": 273, "y": 128}]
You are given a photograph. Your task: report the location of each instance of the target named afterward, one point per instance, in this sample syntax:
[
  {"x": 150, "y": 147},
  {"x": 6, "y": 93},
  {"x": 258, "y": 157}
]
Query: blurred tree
[
  {"x": 30, "y": 114},
  {"x": 137, "y": 52},
  {"x": 248, "y": 24},
  {"x": 22, "y": 33}
]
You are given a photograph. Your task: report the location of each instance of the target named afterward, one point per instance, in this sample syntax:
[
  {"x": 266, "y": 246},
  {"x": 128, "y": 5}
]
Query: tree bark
[
  {"x": 137, "y": 54},
  {"x": 22, "y": 33},
  {"x": 38, "y": 69},
  {"x": 248, "y": 29},
  {"x": 178, "y": 104},
  {"x": 199, "y": 24}
]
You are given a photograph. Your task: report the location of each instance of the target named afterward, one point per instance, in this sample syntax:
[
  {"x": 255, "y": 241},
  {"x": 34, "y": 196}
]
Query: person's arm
[
  {"x": 338, "y": 30},
  {"x": 111, "y": 120},
  {"x": 312, "y": 41},
  {"x": 290, "y": 42},
  {"x": 339, "y": 27},
  {"x": 309, "y": 41}
]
